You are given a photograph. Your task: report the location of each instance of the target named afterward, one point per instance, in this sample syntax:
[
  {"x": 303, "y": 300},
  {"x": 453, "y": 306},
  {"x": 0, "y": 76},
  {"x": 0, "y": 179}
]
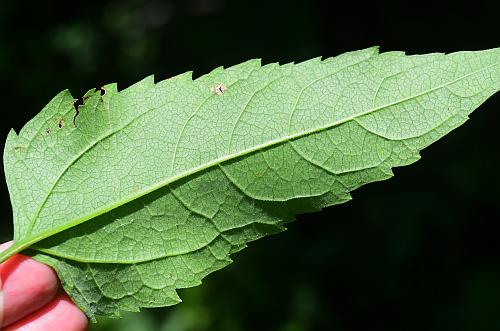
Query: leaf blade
[{"x": 238, "y": 165}]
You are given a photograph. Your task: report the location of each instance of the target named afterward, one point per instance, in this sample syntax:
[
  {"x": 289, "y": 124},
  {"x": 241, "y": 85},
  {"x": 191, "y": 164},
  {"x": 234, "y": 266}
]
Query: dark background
[{"x": 418, "y": 252}]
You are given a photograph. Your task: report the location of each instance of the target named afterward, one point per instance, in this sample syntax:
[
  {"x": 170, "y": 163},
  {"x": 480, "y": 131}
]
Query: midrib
[{"x": 31, "y": 240}]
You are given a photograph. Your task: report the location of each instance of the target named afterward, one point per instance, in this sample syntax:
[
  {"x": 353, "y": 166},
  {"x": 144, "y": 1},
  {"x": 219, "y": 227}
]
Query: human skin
[{"x": 31, "y": 298}]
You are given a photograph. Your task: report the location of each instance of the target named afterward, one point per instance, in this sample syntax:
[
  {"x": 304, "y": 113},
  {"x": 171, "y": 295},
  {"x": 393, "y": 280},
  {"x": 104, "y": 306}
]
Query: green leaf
[{"x": 147, "y": 190}]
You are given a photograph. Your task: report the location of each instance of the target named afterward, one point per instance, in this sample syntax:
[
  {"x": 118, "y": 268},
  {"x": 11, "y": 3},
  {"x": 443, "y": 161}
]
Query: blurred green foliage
[{"x": 418, "y": 252}]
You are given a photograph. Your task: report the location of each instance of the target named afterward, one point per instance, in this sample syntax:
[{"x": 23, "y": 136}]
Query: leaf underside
[{"x": 148, "y": 190}]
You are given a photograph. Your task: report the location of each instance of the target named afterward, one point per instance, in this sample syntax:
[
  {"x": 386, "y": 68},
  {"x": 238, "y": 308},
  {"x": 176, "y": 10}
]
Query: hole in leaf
[
  {"x": 76, "y": 104},
  {"x": 60, "y": 123}
]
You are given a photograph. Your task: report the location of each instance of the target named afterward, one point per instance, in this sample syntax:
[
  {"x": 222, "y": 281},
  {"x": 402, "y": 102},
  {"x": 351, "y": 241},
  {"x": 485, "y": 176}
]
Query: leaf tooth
[
  {"x": 112, "y": 87},
  {"x": 140, "y": 86}
]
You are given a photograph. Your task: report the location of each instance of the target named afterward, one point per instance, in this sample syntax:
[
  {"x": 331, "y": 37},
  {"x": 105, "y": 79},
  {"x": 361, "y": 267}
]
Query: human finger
[
  {"x": 60, "y": 314},
  {"x": 26, "y": 286}
]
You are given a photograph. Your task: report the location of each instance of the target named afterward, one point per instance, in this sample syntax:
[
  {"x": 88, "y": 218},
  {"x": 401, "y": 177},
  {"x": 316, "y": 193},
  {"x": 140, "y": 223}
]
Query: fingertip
[
  {"x": 80, "y": 321},
  {"x": 27, "y": 285},
  {"x": 60, "y": 314}
]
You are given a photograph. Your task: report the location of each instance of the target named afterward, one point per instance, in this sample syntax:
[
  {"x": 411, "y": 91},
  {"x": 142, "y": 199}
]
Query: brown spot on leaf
[
  {"x": 48, "y": 130},
  {"x": 219, "y": 89}
]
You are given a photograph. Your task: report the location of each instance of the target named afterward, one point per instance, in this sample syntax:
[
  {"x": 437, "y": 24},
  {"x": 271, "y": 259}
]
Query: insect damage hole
[
  {"x": 76, "y": 104},
  {"x": 219, "y": 89},
  {"x": 60, "y": 123}
]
